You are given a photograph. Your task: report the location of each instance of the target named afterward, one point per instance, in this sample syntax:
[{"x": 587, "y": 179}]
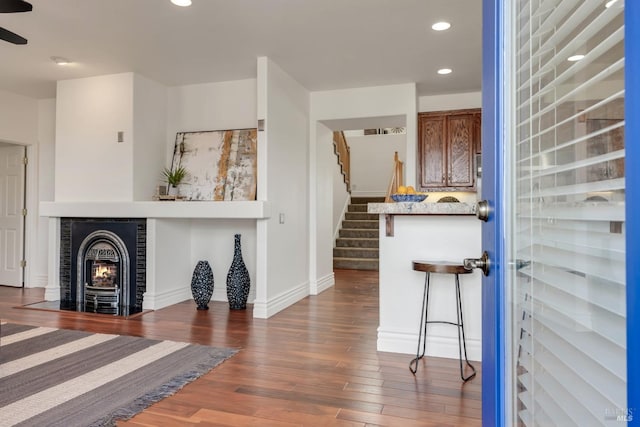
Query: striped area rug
[{"x": 58, "y": 377}]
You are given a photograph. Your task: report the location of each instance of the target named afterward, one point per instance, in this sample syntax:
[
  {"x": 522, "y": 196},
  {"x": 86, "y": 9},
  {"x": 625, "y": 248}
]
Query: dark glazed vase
[
  {"x": 238, "y": 281},
  {"x": 202, "y": 284}
]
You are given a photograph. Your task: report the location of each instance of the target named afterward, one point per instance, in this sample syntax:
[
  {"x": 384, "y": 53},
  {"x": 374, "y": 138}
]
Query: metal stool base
[{"x": 424, "y": 320}]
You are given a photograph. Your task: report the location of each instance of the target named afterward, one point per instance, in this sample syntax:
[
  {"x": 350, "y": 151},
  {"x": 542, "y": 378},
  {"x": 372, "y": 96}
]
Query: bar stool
[{"x": 443, "y": 267}]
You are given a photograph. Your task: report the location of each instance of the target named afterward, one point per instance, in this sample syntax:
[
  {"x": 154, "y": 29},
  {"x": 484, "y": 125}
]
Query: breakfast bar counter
[
  {"x": 436, "y": 232},
  {"x": 422, "y": 208}
]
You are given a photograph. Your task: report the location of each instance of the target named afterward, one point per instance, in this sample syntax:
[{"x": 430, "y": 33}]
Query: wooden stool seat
[
  {"x": 444, "y": 267},
  {"x": 441, "y": 267}
]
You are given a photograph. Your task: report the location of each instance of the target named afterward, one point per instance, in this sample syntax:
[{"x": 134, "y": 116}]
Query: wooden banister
[
  {"x": 343, "y": 153},
  {"x": 396, "y": 178}
]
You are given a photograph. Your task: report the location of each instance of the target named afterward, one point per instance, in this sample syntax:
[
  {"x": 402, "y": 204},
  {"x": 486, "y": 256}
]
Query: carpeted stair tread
[
  {"x": 355, "y": 263},
  {"x": 359, "y": 232},
  {"x": 360, "y": 224},
  {"x": 365, "y": 200},
  {"x": 358, "y": 208},
  {"x": 357, "y": 245},
  {"x": 355, "y": 252},
  {"x": 357, "y": 242},
  {"x": 361, "y": 216}
]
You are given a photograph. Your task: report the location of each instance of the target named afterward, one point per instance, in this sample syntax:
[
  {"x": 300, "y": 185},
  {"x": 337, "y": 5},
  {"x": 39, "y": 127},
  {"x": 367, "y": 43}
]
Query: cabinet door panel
[
  {"x": 461, "y": 148},
  {"x": 432, "y": 152}
]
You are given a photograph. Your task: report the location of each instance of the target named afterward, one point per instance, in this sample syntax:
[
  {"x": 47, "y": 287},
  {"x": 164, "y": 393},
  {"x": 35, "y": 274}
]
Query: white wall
[
  {"x": 284, "y": 105},
  {"x": 213, "y": 241},
  {"x": 340, "y": 202},
  {"x": 428, "y": 237},
  {"x": 335, "y": 195},
  {"x": 19, "y": 125},
  {"x": 210, "y": 106},
  {"x": 18, "y": 119},
  {"x": 90, "y": 163},
  {"x": 149, "y": 130},
  {"x": 372, "y": 162},
  {"x": 44, "y": 191},
  {"x": 349, "y": 109},
  {"x": 215, "y": 106},
  {"x": 379, "y": 102},
  {"x": 453, "y": 101}
]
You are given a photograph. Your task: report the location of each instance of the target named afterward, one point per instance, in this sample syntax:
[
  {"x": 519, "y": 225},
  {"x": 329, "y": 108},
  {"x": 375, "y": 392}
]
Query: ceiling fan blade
[
  {"x": 11, "y": 37},
  {"x": 13, "y": 6}
]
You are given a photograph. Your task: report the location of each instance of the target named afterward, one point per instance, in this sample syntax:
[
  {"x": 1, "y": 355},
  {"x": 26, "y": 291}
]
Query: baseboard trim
[
  {"x": 437, "y": 346},
  {"x": 164, "y": 299},
  {"x": 38, "y": 281},
  {"x": 322, "y": 284},
  {"x": 52, "y": 293},
  {"x": 264, "y": 310}
]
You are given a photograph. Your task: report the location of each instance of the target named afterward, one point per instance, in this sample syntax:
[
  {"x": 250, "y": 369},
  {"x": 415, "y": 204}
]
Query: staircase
[{"x": 357, "y": 244}]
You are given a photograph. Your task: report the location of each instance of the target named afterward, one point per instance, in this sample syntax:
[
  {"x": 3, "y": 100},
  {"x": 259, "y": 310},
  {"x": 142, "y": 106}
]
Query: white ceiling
[{"x": 324, "y": 44}]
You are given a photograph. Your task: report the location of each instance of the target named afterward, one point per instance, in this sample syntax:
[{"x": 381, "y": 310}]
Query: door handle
[
  {"x": 519, "y": 263},
  {"x": 482, "y": 210},
  {"x": 483, "y": 263}
]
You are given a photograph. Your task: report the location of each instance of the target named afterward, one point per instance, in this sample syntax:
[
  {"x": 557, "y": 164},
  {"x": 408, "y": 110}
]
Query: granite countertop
[{"x": 422, "y": 208}]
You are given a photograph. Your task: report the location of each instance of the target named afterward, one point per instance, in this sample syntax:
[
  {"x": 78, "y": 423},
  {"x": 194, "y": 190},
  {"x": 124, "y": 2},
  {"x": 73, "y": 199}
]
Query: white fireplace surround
[{"x": 169, "y": 227}]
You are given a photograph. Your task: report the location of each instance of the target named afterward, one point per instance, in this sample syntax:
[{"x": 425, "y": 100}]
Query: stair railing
[
  {"x": 343, "y": 153},
  {"x": 396, "y": 178}
]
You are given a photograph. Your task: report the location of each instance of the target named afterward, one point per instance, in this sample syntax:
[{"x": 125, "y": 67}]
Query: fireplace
[{"x": 102, "y": 265}]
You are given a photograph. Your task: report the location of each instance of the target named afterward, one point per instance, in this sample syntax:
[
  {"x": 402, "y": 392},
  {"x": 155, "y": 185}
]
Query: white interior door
[{"x": 11, "y": 219}]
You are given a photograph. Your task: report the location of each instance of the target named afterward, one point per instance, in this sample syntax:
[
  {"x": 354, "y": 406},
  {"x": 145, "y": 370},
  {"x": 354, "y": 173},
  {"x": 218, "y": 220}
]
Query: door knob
[
  {"x": 482, "y": 210},
  {"x": 482, "y": 263}
]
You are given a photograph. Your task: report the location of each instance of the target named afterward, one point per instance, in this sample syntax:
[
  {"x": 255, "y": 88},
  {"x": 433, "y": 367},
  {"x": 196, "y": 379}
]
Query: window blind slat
[
  {"x": 565, "y": 96},
  {"x": 581, "y": 245},
  {"x": 567, "y": 167},
  {"x": 597, "y": 291},
  {"x": 575, "y": 398},
  {"x": 590, "y": 344},
  {"x": 567, "y": 213},
  {"x": 571, "y": 118},
  {"x": 572, "y": 142},
  {"x": 553, "y": 23},
  {"x": 592, "y": 266},
  {"x": 575, "y": 44},
  {"x": 583, "y": 313},
  {"x": 582, "y": 188},
  {"x": 579, "y": 211},
  {"x": 555, "y": 406}
]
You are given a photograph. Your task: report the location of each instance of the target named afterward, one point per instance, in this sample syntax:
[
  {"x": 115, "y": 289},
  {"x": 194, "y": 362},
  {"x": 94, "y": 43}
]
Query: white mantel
[{"x": 153, "y": 209}]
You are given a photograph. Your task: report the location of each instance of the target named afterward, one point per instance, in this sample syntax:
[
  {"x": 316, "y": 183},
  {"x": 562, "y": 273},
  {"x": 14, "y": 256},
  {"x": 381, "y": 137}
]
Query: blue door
[{"x": 560, "y": 307}]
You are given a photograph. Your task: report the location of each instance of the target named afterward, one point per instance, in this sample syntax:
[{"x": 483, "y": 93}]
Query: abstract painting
[{"x": 221, "y": 165}]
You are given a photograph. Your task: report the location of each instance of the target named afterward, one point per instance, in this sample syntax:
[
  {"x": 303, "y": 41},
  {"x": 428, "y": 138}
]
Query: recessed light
[
  {"x": 183, "y": 3},
  {"x": 575, "y": 58},
  {"x": 441, "y": 26},
  {"x": 60, "y": 60},
  {"x": 445, "y": 71},
  {"x": 609, "y": 3}
]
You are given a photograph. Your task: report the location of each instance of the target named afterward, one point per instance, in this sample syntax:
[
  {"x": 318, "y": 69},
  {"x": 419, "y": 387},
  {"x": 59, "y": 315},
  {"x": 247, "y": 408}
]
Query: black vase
[
  {"x": 202, "y": 284},
  {"x": 238, "y": 281}
]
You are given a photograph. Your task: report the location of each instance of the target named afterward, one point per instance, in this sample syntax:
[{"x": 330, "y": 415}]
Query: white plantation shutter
[{"x": 568, "y": 217}]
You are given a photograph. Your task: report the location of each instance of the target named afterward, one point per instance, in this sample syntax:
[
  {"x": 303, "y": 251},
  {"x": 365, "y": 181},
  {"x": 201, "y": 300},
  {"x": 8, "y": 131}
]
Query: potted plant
[{"x": 174, "y": 177}]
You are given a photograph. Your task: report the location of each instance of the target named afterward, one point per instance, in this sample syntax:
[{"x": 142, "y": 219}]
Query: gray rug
[{"x": 57, "y": 377}]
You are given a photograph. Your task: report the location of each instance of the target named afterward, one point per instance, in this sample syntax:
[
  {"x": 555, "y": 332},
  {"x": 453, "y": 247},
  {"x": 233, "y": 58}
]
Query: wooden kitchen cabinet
[{"x": 447, "y": 144}]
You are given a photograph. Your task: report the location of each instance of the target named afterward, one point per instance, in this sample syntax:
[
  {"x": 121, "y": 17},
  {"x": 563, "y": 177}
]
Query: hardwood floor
[{"x": 313, "y": 364}]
